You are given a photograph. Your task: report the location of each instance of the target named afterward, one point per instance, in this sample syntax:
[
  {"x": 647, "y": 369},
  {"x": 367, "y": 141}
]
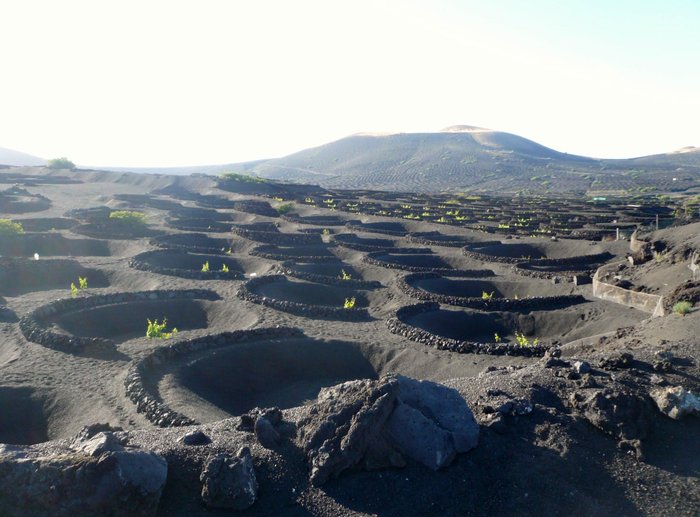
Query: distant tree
[{"x": 60, "y": 163}]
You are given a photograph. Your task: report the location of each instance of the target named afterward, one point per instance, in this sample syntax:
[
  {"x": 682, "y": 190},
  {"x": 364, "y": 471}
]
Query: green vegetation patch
[
  {"x": 128, "y": 217},
  {"x": 8, "y": 227}
]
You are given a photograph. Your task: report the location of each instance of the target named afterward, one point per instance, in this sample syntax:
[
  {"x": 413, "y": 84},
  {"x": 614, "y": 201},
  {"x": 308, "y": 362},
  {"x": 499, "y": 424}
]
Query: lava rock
[
  {"x": 582, "y": 367},
  {"x": 617, "y": 361},
  {"x": 676, "y": 402},
  {"x": 616, "y": 412},
  {"x": 266, "y": 433},
  {"x": 116, "y": 483},
  {"x": 662, "y": 366},
  {"x": 229, "y": 482},
  {"x": 195, "y": 438},
  {"x": 419, "y": 438},
  {"x": 445, "y": 407},
  {"x": 371, "y": 424},
  {"x": 99, "y": 444}
]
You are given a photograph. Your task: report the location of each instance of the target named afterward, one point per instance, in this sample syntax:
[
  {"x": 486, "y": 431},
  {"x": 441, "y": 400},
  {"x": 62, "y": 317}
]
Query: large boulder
[
  {"x": 676, "y": 402},
  {"x": 377, "y": 424},
  {"x": 617, "y": 412},
  {"x": 96, "y": 476},
  {"x": 229, "y": 481},
  {"x": 445, "y": 407}
]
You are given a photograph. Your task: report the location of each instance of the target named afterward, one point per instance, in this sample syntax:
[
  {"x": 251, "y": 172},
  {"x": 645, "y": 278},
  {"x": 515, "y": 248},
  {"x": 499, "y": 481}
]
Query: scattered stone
[
  {"x": 676, "y": 402},
  {"x": 663, "y": 366},
  {"x": 266, "y": 433},
  {"x": 195, "y": 438},
  {"x": 617, "y": 361},
  {"x": 582, "y": 367},
  {"x": 663, "y": 355},
  {"x": 554, "y": 362},
  {"x": 247, "y": 423},
  {"x": 496, "y": 422},
  {"x": 229, "y": 482},
  {"x": 658, "y": 380},
  {"x": 99, "y": 444},
  {"x": 516, "y": 407},
  {"x": 91, "y": 430}
]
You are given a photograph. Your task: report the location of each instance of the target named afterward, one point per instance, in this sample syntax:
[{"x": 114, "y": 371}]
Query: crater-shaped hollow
[
  {"x": 24, "y": 419},
  {"x": 310, "y": 293},
  {"x": 19, "y": 276},
  {"x": 51, "y": 244},
  {"x": 515, "y": 250},
  {"x": 474, "y": 288},
  {"x": 195, "y": 241},
  {"x": 123, "y": 321},
  {"x": 290, "y": 372},
  {"x": 422, "y": 260},
  {"x": 329, "y": 269},
  {"x": 564, "y": 325},
  {"x": 174, "y": 261}
]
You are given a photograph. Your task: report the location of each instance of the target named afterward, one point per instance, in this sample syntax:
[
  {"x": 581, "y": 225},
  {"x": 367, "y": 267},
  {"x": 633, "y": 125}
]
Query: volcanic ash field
[{"x": 196, "y": 345}]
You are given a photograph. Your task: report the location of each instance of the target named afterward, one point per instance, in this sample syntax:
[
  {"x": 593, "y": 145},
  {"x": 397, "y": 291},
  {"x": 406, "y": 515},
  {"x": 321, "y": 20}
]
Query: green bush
[
  {"x": 682, "y": 308},
  {"x": 242, "y": 177},
  {"x": 7, "y": 227},
  {"x": 285, "y": 209},
  {"x": 60, "y": 163},
  {"x": 157, "y": 330},
  {"x": 128, "y": 217}
]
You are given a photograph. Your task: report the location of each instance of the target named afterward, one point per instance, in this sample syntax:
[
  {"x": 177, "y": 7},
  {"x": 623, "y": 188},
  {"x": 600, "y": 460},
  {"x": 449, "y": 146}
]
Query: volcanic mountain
[
  {"x": 18, "y": 159},
  {"x": 475, "y": 159}
]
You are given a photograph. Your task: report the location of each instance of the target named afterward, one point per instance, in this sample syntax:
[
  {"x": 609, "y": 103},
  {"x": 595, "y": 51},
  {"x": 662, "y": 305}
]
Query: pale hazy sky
[{"x": 148, "y": 82}]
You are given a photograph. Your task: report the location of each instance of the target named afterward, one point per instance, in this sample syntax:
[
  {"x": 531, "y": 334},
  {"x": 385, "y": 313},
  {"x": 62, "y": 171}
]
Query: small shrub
[
  {"x": 349, "y": 303},
  {"x": 522, "y": 341},
  {"x": 157, "y": 330},
  {"x": 60, "y": 163},
  {"x": 7, "y": 227},
  {"x": 682, "y": 308},
  {"x": 285, "y": 208},
  {"x": 242, "y": 177},
  {"x": 128, "y": 217},
  {"x": 205, "y": 267}
]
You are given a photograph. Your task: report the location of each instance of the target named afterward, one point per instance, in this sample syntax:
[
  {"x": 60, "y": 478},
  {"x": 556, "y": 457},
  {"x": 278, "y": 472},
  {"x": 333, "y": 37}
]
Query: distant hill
[
  {"x": 474, "y": 159},
  {"x": 457, "y": 158},
  {"x": 18, "y": 159}
]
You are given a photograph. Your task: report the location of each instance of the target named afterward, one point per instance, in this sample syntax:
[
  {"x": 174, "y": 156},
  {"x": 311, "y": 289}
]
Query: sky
[{"x": 167, "y": 83}]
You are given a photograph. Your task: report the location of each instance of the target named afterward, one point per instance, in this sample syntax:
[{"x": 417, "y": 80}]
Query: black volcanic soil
[
  {"x": 24, "y": 419},
  {"x": 417, "y": 260},
  {"x": 194, "y": 262},
  {"x": 124, "y": 321},
  {"x": 551, "y": 461},
  {"x": 474, "y": 288},
  {"x": 21, "y": 276},
  {"x": 51, "y": 245},
  {"x": 333, "y": 270},
  {"x": 285, "y": 373},
  {"x": 311, "y": 293},
  {"x": 562, "y": 325}
]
